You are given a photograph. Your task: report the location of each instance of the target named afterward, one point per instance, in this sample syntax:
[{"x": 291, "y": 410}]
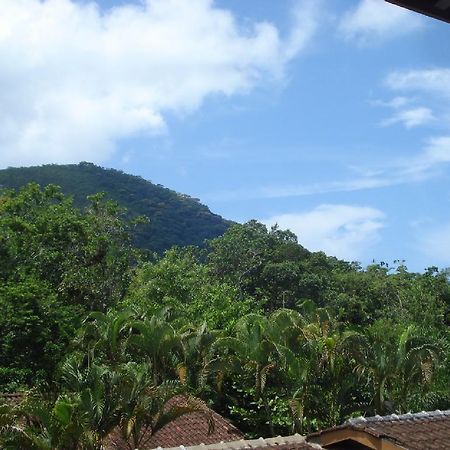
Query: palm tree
[
  {"x": 106, "y": 335},
  {"x": 336, "y": 349},
  {"x": 101, "y": 400},
  {"x": 94, "y": 391},
  {"x": 315, "y": 354},
  {"x": 200, "y": 358},
  {"x": 158, "y": 343},
  {"x": 298, "y": 358},
  {"x": 38, "y": 423},
  {"x": 395, "y": 361},
  {"x": 253, "y": 348},
  {"x": 146, "y": 408}
]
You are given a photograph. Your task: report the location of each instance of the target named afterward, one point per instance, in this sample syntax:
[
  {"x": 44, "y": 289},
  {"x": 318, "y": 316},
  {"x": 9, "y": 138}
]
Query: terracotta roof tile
[
  {"x": 420, "y": 431},
  {"x": 189, "y": 429}
]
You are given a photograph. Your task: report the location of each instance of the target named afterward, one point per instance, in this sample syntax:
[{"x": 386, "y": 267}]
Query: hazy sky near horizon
[{"x": 331, "y": 118}]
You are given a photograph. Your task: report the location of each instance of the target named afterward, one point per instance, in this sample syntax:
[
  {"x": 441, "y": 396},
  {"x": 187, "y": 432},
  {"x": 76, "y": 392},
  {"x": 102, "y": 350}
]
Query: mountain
[{"x": 175, "y": 219}]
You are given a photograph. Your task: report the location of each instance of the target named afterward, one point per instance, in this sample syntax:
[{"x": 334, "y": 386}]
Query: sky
[{"x": 330, "y": 118}]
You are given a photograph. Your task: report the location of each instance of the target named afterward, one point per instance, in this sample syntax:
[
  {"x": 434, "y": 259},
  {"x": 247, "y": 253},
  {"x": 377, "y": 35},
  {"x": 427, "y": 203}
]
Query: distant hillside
[{"x": 175, "y": 219}]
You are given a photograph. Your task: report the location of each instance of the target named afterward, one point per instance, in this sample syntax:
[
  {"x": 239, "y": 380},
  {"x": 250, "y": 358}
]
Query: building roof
[
  {"x": 188, "y": 430},
  {"x": 439, "y": 9},
  {"x": 294, "y": 442},
  {"x": 420, "y": 431}
]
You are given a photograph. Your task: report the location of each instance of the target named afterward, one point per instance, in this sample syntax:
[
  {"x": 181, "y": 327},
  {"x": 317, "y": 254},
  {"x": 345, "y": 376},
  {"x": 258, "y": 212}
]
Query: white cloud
[
  {"x": 429, "y": 162},
  {"x": 430, "y": 87},
  {"x": 344, "y": 231},
  {"x": 436, "y": 153},
  {"x": 435, "y": 81},
  {"x": 405, "y": 112},
  {"x": 395, "y": 103},
  {"x": 376, "y": 20},
  {"x": 286, "y": 191},
  {"x": 74, "y": 80},
  {"x": 410, "y": 118}
]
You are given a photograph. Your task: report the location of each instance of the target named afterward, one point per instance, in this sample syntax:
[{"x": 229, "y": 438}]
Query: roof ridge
[
  {"x": 393, "y": 417},
  {"x": 250, "y": 443}
]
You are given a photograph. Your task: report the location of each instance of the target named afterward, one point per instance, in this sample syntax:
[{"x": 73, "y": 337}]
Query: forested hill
[{"x": 174, "y": 219}]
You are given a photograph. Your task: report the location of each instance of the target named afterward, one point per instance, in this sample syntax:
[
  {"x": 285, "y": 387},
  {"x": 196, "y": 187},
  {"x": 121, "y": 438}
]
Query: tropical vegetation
[{"x": 100, "y": 335}]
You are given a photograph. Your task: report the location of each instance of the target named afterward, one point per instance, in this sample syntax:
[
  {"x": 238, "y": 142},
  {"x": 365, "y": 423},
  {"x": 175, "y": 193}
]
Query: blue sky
[{"x": 331, "y": 118}]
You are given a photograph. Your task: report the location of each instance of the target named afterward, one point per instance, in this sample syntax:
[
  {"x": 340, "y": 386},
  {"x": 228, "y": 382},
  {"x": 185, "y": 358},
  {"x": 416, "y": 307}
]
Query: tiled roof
[
  {"x": 419, "y": 431},
  {"x": 190, "y": 432},
  {"x": 295, "y": 442},
  {"x": 189, "y": 429}
]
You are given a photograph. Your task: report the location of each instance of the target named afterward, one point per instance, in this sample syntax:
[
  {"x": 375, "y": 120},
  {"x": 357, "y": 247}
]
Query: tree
[
  {"x": 156, "y": 341},
  {"x": 35, "y": 329},
  {"x": 396, "y": 361},
  {"x": 94, "y": 401},
  {"x": 182, "y": 284},
  {"x": 256, "y": 352},
  {"x": 105, "y": 336},
  {"x": 146, "y": 408},
  {"x": 83, "y": 256},
  {"x": 200, "y": 360},
  {"x": 335, "y": 349},
  {"x": 242, "y": 254}
]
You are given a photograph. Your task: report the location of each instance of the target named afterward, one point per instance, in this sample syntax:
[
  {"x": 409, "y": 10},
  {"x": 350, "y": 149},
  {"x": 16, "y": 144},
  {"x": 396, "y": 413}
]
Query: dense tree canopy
[
  {"x": 174, "y": 219},
  {"x": 56, "y": 264},
  {"x": 275, "y": 337}
]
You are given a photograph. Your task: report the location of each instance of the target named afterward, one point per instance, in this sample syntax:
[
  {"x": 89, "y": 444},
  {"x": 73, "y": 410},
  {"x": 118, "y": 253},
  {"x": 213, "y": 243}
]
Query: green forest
[
  {"x": 172, "y": 218},
  {"x": 101, "y": 333}
]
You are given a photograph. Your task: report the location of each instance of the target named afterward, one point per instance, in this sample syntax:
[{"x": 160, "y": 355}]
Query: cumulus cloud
[
  {"x": 410, "y": 118},
  {"x": 435, "y": 80},
  {"x": 345, "y": 231},
  {"x": 74, "y": 79},
  {"x": 430, "y": 87},
  {"x": 375, "y": 20},
  {"x": 405, "y": 112}
]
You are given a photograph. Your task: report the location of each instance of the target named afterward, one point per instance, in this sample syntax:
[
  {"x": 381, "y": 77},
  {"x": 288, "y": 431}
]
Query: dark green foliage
[
  {"x": 93, "y": 401},
  {"x": 83, "y": 256},
  {"x": 180, "y": 283},
  {"x": 260, "y": 263},
  {"x": 174, "y": 219},
  {"x": 56, "y": 263},
  {"x": 278, "y": 338},
  {"x": 35, "y": 329}
]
